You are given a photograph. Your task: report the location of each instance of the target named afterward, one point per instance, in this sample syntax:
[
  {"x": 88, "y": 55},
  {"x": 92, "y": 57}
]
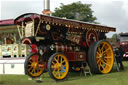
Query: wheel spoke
[
  {"x": 98, "y": 61},
  {"x": 34, "y": 71},
  {"x": 97, "y": 57},
  {"x": 53, "y": 71},
  {"x": 53, "y": 63},
  {"x": 99, "y": 64},
  {"x": 98, "y": 53},
  {"x": 61, "y": 60},
  {"x": 107, "y": 57},
  {"x": 38, "y": 70},
  {"x": 61, "y": 73},
  {"x": 56, "y": 60},
  {"x": 105, "y": 63},
  {"x": 29, "y": 61},
  {"x": 54, "y": 66},
  {"x": 58, "y": 72},
  {"x": 29, "y": 65},
  {"x": 30, "y": 69},
  {"x": 106, "y": 50},
  {"x": 102, "y": 47},
  {"x": 99, "y": 50},
  {"x": 102, "y": 67},
  {"x": 63, "y": 65}
]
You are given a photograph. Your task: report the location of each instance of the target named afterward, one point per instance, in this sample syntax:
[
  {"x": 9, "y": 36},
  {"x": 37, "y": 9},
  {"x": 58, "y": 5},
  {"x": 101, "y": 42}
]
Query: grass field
[{"x": 113, "y": 78}]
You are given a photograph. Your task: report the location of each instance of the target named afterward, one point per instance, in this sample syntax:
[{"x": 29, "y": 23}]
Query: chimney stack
[{"x": 46, "y": 10}]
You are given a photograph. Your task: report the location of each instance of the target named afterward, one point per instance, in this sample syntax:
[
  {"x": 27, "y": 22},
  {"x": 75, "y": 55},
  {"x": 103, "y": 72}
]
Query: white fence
[
  {"x": 13, "y": 63},
  {"x": 14, "y": 50},
  {"x": 12, "y": 66}
]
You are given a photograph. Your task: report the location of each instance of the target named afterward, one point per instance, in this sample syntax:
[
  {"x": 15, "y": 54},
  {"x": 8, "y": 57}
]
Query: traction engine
[{"x": 59, "y": 45}]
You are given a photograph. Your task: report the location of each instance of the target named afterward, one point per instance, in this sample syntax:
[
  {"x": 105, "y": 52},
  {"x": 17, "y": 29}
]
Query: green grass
[{"x": 113, "y": 78}]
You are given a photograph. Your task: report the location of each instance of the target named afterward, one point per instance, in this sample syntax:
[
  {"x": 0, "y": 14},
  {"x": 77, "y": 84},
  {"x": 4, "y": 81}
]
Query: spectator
[{"x": 119, "y": 57}]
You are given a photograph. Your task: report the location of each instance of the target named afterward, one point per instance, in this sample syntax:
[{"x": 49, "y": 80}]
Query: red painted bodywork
[
  {"x": 76, "y": 56},
  {"x": 70, "y": 52},
  {"x": 34, "y": 48},
  {"x": 7, "y": 22}
]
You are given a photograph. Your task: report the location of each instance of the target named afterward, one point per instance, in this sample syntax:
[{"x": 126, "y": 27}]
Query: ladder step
[{"x": 85, "y": 69}]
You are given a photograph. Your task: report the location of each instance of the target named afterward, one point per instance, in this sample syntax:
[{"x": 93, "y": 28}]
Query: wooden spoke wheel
[
  {"x": 58, "y": 66},
  {"x": 101, "y": 57},
  {"x": 34, "y": 66},
  {"x": 91, "y": 36}
]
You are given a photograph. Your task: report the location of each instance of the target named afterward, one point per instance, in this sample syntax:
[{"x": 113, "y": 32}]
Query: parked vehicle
[
  {"x": 59, "y": 45},
  {"x": 123, "y": 41}
]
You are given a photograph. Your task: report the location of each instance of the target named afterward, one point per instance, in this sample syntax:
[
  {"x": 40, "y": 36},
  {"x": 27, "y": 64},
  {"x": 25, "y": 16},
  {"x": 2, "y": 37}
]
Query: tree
[
  {"x": 114, "y": 36},
  {"x": 76, "y": 11}
]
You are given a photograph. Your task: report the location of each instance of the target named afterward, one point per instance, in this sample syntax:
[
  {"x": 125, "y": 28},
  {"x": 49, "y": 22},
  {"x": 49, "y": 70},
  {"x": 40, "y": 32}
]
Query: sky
[{"x": 112, "y": 13}]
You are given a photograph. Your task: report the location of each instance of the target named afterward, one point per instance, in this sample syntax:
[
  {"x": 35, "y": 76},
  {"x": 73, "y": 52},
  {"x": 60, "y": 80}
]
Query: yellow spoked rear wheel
[
  {"x": 104, "y": 57},
  {"x": 58, "y": 66},
  {"x": 101, "y": 57},
  {"x": 34, "y": 66}
]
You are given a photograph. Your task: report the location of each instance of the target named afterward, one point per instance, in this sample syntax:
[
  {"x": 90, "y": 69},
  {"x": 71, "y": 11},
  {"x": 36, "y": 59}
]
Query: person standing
[{"x": 119, "y": 57}]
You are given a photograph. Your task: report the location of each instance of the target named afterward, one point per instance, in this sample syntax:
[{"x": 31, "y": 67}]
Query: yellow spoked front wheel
[
  {"x": 34, "y": 66},
  {"x": 58, "y": 66},
  {"x": 101, "y": 57}
]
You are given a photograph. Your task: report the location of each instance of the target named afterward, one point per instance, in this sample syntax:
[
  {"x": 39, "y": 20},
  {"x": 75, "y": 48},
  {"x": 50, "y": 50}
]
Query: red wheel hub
[{"x": 91, "y": 36}]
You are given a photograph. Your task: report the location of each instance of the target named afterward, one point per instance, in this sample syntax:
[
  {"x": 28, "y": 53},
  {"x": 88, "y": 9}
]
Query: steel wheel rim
[
  {"x": 60, "y": 66},
  {"x": 104, "y": 57},
  {"x": 35, "y": 66}
]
